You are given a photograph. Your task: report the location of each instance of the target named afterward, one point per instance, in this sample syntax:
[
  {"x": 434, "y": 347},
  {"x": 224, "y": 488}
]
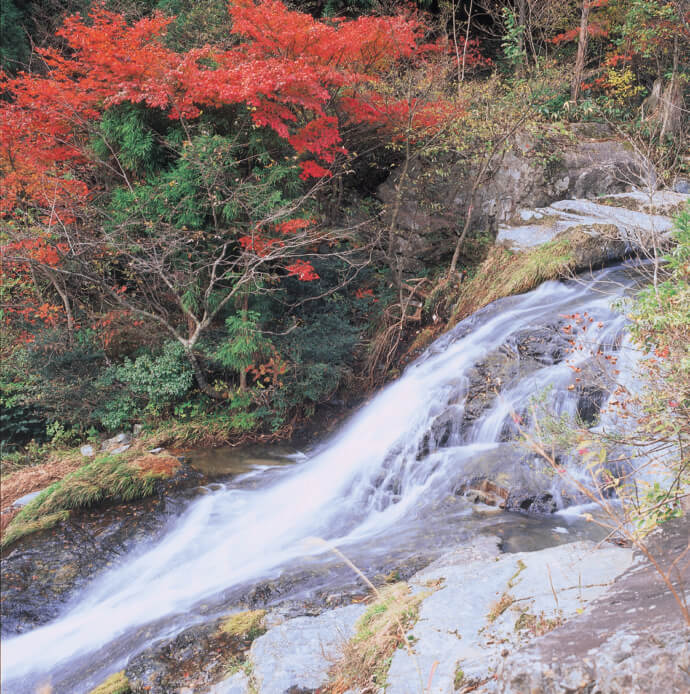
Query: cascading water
[{"x": 410, "y": 446}]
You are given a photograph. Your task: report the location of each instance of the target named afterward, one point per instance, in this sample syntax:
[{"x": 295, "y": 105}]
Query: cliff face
[{"x": 585, "y": 164}]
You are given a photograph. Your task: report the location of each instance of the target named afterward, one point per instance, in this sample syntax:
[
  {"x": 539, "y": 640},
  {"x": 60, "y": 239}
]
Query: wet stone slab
[
  {"x": 486, "y": 607},
  {"x": 297, "y": 654}
]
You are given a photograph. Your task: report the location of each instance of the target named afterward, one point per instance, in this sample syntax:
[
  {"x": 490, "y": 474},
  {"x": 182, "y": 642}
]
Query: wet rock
[
  {"x": 194, "y": 659},
  {"x": 24, "y": 500},
  {"x": 483, "y": 602},
  {"x": 631, "y": 640},
  {"x": 520, "y": 499},
  {"x": 297, "y": 654},
  {"x": 509, "y": 478},
  {"x": 544, "y": 344},
  {"x": 42, "y": 571},
  {"x": 488, "y": 493},
  {"x": 488, "y": 377},
  {"x": 591, "y": 398}
]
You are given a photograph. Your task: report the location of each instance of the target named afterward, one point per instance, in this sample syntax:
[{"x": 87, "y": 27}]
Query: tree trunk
[
  {"x": 62, "y": 293},
  {"x": 672, "y": 99},
  {"x": 581, "y": 53},
  {"x": 522, "y": 21},
  {"x": 200, "y": 376},
  {"x": 243, "y": 371}
]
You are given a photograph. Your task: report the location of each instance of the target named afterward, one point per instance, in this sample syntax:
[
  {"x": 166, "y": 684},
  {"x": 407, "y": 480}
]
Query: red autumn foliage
[
  {"x": 301, "y": 77},
  {"x": 594, "y": 28}
]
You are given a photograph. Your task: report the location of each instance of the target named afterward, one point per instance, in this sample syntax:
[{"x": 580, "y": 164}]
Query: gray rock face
[
  {"x": 24, "y": 500},
  {"x": 632, "y": 640},
  {"x": 235, "y": 684},
  {"x": 87, "y": 451},
  {"x": 118, "y": 441},
  {"x": 434, "y": 204},
  {"x": 631, "y": 226},
  {"x": 297, "y": 654},
  {"x": 488, "y": 603}
]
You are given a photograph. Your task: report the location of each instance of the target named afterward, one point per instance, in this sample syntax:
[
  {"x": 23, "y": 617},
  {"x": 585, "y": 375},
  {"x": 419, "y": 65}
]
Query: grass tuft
[
  {"x": 379, "y": 632},
  {"x": 115, "y": 684},
  {"x": 500, "y": 606},
  {"x": 246, "y": 625},
  {"x": 105, "y": 479},
  {"x": 538, "y": 625}
]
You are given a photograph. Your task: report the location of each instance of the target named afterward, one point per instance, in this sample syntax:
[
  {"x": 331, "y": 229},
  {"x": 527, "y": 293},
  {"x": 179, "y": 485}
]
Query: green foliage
[
  {"x": 117, "y": 413},
  {"x": 245, "y": 342},
  {"x": 14, "y": 46},
  {"x": 662, "y": 312},
  {"x": 20, "y": 421},
  {"x": 196, "y": 23},
  {"x": 513, "y": 43},
  {"x": 155, "y": 381},
  {"x": 61, "y": 436},
  {"x": 124, "y": 133}
]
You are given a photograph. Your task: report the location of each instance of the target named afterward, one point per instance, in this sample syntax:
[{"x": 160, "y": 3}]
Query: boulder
[
  {"x": 488, "y": 603},
  {"x": 117, "y": 441},
  {"x": 436, "y": 200},
  {"x": 298, "y": 654},
  {"x": 237, "y": 683},
  {"x": 631, "y": 640},
  {"x": 24, "y": 500}
]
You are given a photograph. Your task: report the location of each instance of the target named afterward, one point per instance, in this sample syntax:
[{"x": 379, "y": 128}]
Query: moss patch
[
  {"x": 244, "y": 625},
  {"x": 105, "y": 479},
  {"x": 538, "y": 625},
  {"x": 19, "y": 528},
  {"x": 115, "y": 684},
  {"x": 379, "y": 632}
]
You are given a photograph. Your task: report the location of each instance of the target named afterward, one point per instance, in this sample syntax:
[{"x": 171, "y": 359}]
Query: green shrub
[{"x": 150, "y": 383}]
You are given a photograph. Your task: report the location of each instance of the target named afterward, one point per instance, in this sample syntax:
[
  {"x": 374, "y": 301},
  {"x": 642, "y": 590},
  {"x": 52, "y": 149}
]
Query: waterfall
[{"x": 413, "y": 443}]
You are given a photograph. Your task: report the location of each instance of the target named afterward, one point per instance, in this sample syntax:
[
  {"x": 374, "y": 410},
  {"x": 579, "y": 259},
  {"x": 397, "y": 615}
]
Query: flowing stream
[{"x": 385, "y": 471}]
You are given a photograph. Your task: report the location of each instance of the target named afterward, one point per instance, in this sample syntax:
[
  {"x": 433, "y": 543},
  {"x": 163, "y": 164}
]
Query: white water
[{"x": 352, "y": 489}]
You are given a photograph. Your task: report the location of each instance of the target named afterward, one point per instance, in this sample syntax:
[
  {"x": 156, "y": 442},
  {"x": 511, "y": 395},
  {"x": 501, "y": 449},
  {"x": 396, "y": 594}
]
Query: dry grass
[
  {"x": 504, "y": 273},
  {"x": 538, "y": 625},
  {"x": 115, "y": 684},
  {"x": 498, "y": 607},
  {"x": 104, "y": 479},
  {"x": 156, "y": 465},
  {"x": 31, "y": 479},
  {"x": 380, "y": 631}
]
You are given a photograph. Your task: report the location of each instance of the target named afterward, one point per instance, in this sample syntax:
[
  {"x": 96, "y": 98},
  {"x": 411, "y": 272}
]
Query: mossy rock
[{"x": 107, "y": 479}]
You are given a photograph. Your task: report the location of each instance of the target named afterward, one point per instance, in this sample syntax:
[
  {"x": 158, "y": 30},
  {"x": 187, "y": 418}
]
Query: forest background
[{"x": 192, "y": 238}]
